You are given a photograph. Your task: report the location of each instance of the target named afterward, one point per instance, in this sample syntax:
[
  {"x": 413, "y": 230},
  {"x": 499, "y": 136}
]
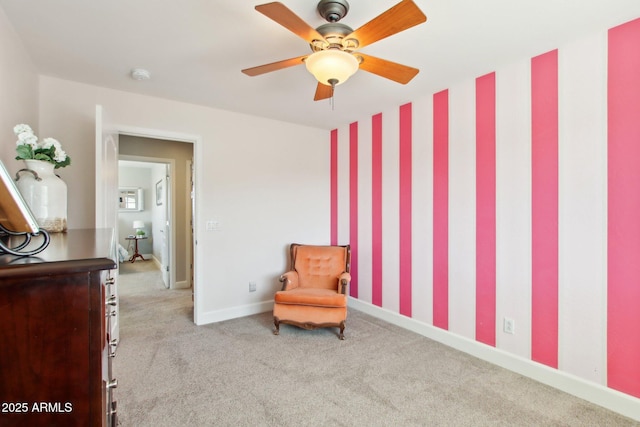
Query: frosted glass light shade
[
  {"x": 138, "y": 224},
  {"x": 331, "y": 64}
]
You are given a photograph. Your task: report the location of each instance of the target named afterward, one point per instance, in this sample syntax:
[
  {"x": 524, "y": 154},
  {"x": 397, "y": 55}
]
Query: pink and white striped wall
[{"x": 514, "y": 195}]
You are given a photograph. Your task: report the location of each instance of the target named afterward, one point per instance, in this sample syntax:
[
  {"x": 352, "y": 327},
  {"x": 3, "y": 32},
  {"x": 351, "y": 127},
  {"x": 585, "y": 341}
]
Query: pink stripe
[
  {"x": 441, "y": 209},
  {"x": 623, "y": 257},
  {"x": 405, "y": 210},
  {"x": 544, "y": 203},
  {"x": 353, "y": 206},
  {"x": 486, "y": 209},
  {"x": 334, "y": 186},
  {"x": 376, "y": 209}
]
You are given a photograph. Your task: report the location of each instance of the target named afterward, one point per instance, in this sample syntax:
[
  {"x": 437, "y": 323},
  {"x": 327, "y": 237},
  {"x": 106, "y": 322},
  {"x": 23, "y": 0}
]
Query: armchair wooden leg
[
  {"x": 342, "y": 325},
  {"x": 276, "y": 322}
]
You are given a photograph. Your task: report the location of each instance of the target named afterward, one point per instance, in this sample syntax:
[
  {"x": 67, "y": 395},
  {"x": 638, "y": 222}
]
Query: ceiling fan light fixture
[{"x": 332, "y": 66}]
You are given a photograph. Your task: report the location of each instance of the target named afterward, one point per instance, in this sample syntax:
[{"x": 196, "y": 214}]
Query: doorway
[
  {"x": 106, "y": 186},
  {"x": 169, "y": 197},
  {"x": 150, "y": 220}
]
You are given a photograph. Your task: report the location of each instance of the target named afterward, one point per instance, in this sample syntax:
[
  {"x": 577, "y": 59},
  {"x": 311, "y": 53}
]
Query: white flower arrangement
[{"x": 49, "y": 150}]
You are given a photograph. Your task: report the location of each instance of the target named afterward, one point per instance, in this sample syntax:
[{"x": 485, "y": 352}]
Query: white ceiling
[{"x": 195, "y": 49}]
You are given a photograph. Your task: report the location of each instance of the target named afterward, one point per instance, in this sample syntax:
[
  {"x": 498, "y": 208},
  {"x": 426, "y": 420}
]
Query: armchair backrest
[{"x": 319, "y": 266}]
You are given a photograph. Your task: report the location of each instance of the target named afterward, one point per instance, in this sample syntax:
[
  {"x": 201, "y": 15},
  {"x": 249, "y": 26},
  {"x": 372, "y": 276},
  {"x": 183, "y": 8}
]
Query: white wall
[
  {"x": 18, "y": 92},
  {"x": 265, "y": 182}
]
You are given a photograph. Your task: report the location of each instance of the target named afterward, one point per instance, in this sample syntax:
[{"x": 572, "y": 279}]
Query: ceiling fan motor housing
[
  {"x": 333, "y": 10},
  {"x": 334, "y": 34}
]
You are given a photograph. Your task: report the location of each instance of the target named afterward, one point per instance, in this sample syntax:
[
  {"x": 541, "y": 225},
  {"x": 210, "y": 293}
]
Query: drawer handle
[
  {"x": 112, "y": 301},
  {"x": 114, "y": 345},
  {"x": 110, "y": 281},
  {"x": 113, "y": 411},
  {"x": 112, "y": 384}
]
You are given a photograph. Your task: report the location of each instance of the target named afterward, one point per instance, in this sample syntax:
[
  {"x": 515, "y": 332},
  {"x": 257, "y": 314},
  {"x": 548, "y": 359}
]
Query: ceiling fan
[{"x": 335, "y": 56}]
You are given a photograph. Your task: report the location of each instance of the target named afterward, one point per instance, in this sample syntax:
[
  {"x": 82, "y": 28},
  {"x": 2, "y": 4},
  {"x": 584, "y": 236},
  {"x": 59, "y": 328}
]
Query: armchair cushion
[
  {"x": 319, "y": 266},
  {"x": 312, "y": 296}
]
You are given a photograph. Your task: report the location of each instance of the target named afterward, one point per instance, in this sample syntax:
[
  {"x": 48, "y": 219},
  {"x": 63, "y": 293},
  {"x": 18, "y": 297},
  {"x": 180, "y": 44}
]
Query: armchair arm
[
  {"x": 343, "y": 281},
  {"x": 289, "y": 280}
]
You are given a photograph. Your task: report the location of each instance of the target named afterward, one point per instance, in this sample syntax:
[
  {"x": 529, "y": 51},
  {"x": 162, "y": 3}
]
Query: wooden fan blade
[
  {"x": 292, "y": 22},
  {"x": 274, "y": 66},
  {"x": 387, "y": 69},
  {"x": 400, "y": 17},
  {"x": 323, "y": 92}
]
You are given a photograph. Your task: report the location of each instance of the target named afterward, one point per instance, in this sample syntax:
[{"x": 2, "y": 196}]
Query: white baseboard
[
  {"x": 182, "y": 284},
  {"x": 234, "y": 312},
  {"x": 156, "y": 261},
  {"x": 613, "y": 400}
]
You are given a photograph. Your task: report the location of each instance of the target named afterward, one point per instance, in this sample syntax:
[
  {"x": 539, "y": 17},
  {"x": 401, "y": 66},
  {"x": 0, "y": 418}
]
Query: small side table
[{"x": 136, "y": 254}]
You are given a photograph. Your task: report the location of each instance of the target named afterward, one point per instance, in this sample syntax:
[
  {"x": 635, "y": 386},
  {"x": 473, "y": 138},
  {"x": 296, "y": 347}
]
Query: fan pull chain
[{"x": 333, "y": 83}]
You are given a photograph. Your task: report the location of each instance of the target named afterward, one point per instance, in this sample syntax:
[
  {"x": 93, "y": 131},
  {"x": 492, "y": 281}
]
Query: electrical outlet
[
  {"x": 509, "y": 326},
  {"x": 252, "y": 286}
]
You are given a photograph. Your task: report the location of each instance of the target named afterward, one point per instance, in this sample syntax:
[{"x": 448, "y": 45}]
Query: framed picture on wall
[{"x": 159, "y": 192}]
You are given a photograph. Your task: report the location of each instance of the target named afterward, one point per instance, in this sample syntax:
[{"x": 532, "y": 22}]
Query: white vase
[{"x": 45, "y": 193}]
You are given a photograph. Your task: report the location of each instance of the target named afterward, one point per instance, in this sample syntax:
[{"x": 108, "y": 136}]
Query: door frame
[{"x": 196, "y": 140}]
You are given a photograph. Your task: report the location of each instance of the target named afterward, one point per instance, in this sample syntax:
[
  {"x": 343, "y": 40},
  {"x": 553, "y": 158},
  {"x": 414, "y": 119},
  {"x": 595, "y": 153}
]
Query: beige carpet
[{"x": 237, "y": 373}]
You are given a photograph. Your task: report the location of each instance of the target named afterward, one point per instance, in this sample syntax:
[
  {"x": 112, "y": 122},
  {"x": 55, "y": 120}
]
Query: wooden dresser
[{"x": 56, "y": 311}]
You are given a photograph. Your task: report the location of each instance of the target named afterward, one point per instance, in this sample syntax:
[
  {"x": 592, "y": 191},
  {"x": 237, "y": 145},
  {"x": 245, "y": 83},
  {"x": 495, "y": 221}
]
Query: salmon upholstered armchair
[{"x": 314, "y": 291}]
